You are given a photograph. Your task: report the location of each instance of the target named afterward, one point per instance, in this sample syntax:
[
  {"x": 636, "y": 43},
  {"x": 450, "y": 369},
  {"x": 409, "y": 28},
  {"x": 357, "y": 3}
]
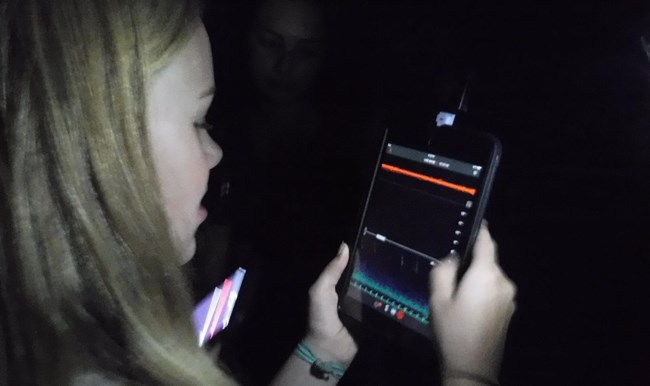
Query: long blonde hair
[{"x": 89, "y": 277}]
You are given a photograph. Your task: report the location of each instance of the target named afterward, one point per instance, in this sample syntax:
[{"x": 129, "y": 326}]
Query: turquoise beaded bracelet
[{"x": 319, "y": 368}]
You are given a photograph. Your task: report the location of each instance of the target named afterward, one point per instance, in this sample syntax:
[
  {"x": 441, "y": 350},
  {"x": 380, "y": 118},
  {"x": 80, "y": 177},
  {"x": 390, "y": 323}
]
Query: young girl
[{"x": 104, "y": 160}]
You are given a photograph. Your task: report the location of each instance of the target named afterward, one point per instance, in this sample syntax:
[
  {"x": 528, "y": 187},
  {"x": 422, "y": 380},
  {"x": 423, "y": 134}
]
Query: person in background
[
  {"x": 104, "y": 160},
  {"x": 292, "y": 179}
]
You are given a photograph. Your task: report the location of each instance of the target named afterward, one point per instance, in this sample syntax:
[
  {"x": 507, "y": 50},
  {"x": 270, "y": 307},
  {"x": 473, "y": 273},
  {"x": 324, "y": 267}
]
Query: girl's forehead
[{"x": 191, "y": 66}]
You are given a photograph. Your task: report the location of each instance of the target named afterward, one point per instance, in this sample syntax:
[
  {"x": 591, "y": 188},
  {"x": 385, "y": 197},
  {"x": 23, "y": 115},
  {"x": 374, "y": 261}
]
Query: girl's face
[{"x": 178, "y": 100}]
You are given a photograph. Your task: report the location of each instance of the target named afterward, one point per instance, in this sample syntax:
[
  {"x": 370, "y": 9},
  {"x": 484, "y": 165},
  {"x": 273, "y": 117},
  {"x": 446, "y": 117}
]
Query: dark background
[{"x": 564, "y": 86}]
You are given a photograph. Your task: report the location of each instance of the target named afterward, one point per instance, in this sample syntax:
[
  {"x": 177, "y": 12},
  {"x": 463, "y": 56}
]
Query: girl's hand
[
  {"x": 470, "y": 320},
  {"x": 327, "y": 337}
]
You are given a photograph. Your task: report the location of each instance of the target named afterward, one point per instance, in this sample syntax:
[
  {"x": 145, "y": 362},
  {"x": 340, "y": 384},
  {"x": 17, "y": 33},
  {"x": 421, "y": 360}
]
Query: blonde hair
[{"x": 90, "y": 281}]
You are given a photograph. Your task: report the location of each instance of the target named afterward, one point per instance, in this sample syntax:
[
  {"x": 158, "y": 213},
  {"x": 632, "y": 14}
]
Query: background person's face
[
  {"x": 286, "y": 44},
  {"x": 178, "y": 100}
]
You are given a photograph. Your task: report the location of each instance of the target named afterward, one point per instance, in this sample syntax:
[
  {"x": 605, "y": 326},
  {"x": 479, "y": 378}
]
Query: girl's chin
[{"x": 188, "y": 252}]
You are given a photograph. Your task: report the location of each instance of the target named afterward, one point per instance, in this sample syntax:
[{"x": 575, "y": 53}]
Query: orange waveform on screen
[{"x": 422, "y": 177}]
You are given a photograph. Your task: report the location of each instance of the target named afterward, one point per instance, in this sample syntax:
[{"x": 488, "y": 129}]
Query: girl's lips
[{"x": 203, "y": 214}]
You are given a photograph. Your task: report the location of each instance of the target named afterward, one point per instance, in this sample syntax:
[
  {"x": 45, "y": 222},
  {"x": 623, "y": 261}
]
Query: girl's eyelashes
[{"x": 203, "y": 125}]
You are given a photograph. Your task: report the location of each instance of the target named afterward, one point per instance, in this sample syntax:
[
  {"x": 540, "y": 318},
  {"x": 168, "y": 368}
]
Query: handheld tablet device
[{"x": 426, "y": 201}]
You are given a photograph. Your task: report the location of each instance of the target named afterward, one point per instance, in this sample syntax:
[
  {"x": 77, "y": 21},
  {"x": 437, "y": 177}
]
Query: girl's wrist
[
  {"x": 452, "y": 377},
  {"x": 332, "y": 349}
]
